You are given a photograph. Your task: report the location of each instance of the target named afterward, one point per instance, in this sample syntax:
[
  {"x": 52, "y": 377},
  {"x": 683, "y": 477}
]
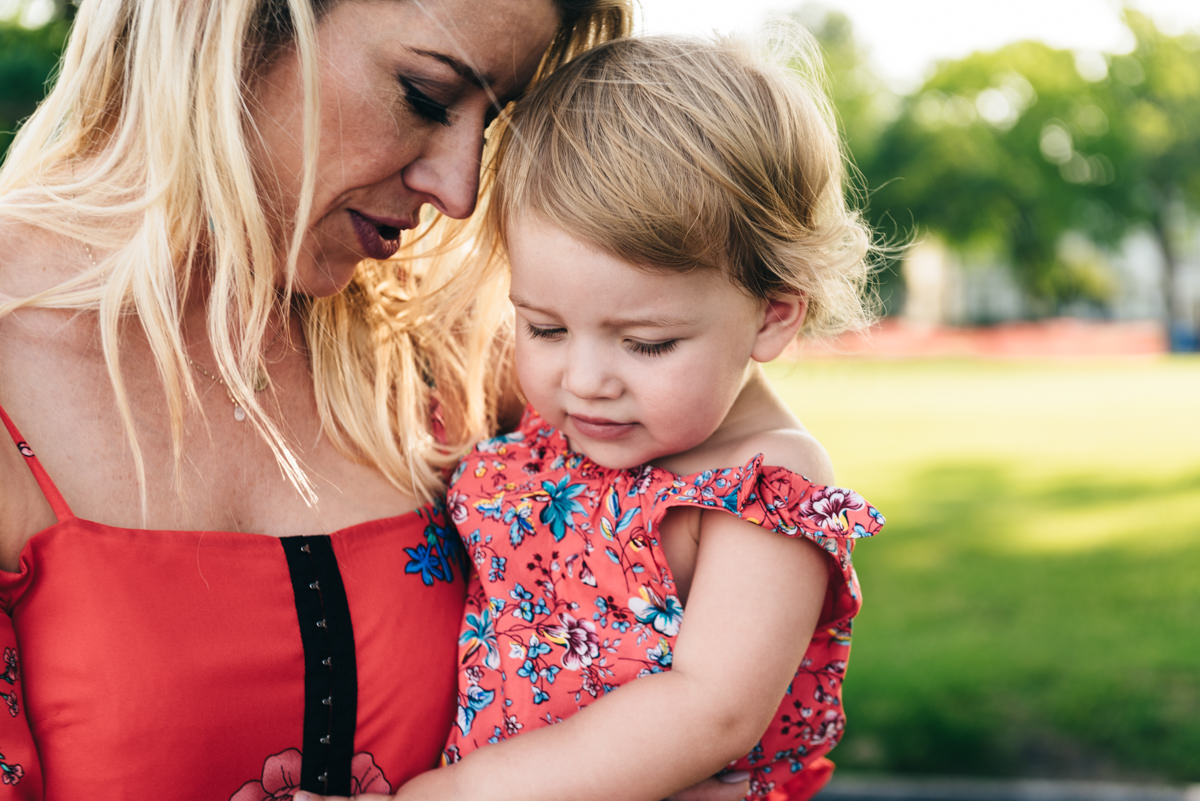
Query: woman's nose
[{"x": 447, "y": 171}]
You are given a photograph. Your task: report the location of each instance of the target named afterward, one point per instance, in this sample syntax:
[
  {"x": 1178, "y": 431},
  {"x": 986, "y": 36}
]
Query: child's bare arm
[{"x": 753, "y": 605}]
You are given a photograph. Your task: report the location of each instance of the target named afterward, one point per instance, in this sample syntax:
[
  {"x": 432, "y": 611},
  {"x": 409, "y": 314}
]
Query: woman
[{"x": 226, "y": 577}]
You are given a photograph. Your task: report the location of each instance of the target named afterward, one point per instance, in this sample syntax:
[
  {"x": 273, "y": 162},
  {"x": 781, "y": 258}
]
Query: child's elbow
[{"x": 741, "y": 726}]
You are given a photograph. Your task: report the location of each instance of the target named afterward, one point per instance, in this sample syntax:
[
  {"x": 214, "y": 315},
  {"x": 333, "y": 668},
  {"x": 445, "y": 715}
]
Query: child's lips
[{"x": 599, "y": 427}]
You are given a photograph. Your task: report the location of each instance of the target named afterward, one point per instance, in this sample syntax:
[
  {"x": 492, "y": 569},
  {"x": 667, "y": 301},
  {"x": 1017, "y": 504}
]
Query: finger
[{"x": 728, "y": 787}]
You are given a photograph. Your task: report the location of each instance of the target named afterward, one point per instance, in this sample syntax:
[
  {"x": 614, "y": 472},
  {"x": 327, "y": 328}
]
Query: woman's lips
[
  {"x": 379, "y": 239},
  {"x": 600, "y": 428}
]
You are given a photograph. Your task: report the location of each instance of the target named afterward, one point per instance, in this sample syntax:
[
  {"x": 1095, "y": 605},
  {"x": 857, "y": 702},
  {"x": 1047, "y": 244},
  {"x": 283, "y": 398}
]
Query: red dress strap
[{"x": 53, "y": 496}]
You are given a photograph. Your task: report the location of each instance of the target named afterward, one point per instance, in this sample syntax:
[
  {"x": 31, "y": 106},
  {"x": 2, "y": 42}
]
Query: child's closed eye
[
  {"x": 544, "y": 331},
  {"x": 653, "y": 348}
]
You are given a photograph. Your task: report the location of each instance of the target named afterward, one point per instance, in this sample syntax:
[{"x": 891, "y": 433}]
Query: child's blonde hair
[{"x": 679, "y": 153}]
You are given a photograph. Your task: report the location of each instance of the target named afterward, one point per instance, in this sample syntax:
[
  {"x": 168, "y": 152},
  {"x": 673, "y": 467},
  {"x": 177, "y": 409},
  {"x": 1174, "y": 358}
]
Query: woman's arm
[{"x": 753, "y": 605}]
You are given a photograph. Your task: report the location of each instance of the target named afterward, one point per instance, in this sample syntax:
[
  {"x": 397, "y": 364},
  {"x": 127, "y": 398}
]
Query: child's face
[{"x": 633, "y": 365}]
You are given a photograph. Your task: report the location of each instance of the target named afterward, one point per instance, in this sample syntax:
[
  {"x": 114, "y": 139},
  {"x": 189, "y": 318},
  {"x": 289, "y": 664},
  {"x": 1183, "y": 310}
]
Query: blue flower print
[
  {"x": 428, "y": 562},
  {"x": 492, "y": 509},
  {"x": 613, "y": 521},
  {"x": 479, "y": 631},
  {"x": 664, "y": 615},
  {"x": 524, "y": 599},
  {"x": 527, "y": 607},
  {"x": 517, "y": 517},
  {"x": 435, "y": 560},
  {"x": 497, "y": 570},
  {"x": 499, "y": 444},
  {"x": 561, "y": 505},
  {"x": 476, "y": 699},
  {"x": 661, "y": 654}
]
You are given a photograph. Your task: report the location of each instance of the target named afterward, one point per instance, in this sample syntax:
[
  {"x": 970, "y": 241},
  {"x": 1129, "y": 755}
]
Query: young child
[{"x": 673, "y": 213}]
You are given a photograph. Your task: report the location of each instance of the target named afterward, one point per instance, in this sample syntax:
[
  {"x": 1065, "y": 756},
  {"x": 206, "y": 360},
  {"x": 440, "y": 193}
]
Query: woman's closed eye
[
  {"x": 653, "y": 348},
  {"x": 423, "y": 105}
]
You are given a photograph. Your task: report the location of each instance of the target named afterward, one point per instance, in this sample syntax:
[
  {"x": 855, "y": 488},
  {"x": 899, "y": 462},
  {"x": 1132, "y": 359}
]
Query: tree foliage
[
  {"x": 28, "y": 58},
  {"x": 1018, "y": 152}
]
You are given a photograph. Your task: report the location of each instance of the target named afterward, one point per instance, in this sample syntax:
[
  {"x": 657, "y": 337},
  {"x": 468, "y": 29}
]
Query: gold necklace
[
  {"x": 261, "y": 379},
  {"x": 261, "y": 382}
]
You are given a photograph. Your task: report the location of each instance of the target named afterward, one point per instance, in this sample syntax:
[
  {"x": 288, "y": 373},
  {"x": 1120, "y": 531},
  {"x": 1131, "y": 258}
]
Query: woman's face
[{"x": 406, "y": 90}]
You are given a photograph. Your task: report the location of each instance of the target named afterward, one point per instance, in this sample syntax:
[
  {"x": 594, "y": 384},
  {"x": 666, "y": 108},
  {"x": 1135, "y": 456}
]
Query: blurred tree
[
  {"x": 1017, "y": 151},
  {"x": 1000, "y": 153},
  {"x": 28, "y": 57},
  {"x": 1151, "y": 99},
  {"x": 865, "y": 108}
]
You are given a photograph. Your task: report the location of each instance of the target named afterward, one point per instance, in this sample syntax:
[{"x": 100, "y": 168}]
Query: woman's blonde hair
[
  {"x": 680, "y": 153},
  {"x": 141, "y": 152}
]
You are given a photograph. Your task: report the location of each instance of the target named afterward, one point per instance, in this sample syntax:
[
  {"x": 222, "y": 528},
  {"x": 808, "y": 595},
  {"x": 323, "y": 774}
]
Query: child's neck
[{"x": 757, "y": 410}]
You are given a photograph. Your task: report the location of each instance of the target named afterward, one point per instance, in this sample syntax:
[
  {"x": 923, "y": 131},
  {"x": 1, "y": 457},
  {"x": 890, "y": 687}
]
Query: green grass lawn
[{"x": 1032, "y": 606}]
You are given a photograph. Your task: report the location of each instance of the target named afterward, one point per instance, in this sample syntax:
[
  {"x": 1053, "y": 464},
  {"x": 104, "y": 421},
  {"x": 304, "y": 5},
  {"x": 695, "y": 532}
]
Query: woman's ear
[{"x": 782, "y": 318}]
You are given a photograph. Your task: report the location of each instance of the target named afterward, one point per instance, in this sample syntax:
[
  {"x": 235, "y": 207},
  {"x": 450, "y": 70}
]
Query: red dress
[
  {"x": 224, "y": 665},
  {"x": 572, "y": 596}
]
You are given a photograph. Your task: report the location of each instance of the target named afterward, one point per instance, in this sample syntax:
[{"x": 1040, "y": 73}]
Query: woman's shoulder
[{"x": 29, "y": 259}]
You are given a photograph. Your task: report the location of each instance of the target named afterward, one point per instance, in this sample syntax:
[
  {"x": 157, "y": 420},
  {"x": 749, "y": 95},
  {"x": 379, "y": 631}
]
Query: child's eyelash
[
  {"x": 653, "y": 348},
  {"x": 424, "y": 105},
  {"x": 536, "y": 332}
]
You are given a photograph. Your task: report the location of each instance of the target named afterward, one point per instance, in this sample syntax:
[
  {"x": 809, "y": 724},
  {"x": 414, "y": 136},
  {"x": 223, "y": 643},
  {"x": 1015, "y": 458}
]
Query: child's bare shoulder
[{"x": 792, "y": 448}]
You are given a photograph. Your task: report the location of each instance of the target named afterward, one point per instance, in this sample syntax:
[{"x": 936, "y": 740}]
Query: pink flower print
[
  {"x": 366, "y": 776},
  {"x": 456, "y": 504},
  {"x": 579, "y": 639},
  {"x": 512, "y": 726},
  {"x": 11, "y": 773},
  {"x": 281, "y": 778},
  {"x": 827, "y": 506}
]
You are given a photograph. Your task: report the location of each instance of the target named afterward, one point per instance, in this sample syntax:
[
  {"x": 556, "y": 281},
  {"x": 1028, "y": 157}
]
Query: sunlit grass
[{"x": 1031, "y": 607}]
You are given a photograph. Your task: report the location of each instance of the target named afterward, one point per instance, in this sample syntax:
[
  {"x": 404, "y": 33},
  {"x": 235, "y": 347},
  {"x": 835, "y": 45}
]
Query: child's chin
[{"x": 613, "y": 461}]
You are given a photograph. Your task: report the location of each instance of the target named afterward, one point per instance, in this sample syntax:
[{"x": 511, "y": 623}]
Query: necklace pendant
[{"x": 239, "y": 413}]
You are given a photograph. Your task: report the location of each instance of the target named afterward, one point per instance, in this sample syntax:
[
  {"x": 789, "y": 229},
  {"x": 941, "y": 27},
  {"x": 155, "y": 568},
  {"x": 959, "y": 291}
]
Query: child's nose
[{"x": 587, "y": 376}]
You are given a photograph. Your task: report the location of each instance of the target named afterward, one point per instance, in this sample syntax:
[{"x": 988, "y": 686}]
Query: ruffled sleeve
[
  {"x": 775, "y": 498},
  {"x": 20, "y": 771}
]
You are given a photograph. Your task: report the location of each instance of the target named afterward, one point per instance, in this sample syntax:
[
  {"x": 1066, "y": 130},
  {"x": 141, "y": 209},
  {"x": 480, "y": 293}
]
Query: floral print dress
[{"x": 573, "y": 596}]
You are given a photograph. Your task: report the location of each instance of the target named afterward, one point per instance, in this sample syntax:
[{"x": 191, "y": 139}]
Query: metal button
[
  {"x": 327, "y": 661},
  {"x": 327, "y": 700},
  {"x": 321, "y": 624},
  {"x": 323, "y": 778},
  {"x": 304, "y": 549},
  {"x": 325, "y": 740},
  {"x": 315, "y": 585}
]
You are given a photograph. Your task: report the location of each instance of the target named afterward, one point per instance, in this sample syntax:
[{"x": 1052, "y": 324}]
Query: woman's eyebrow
[{"x": 464, "y": 71}]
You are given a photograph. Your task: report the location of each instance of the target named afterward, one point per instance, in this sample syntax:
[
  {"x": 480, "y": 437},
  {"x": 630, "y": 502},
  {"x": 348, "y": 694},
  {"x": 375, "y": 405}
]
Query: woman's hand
[{"x": 729, "y": 787}]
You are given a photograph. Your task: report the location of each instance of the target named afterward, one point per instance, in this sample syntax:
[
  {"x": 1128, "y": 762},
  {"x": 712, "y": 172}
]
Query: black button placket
[{"x": 330, "y": 670}]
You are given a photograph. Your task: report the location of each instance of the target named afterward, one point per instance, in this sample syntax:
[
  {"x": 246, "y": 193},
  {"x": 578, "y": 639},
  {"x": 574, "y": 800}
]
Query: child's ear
[{"x": 782, "y": 318}]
